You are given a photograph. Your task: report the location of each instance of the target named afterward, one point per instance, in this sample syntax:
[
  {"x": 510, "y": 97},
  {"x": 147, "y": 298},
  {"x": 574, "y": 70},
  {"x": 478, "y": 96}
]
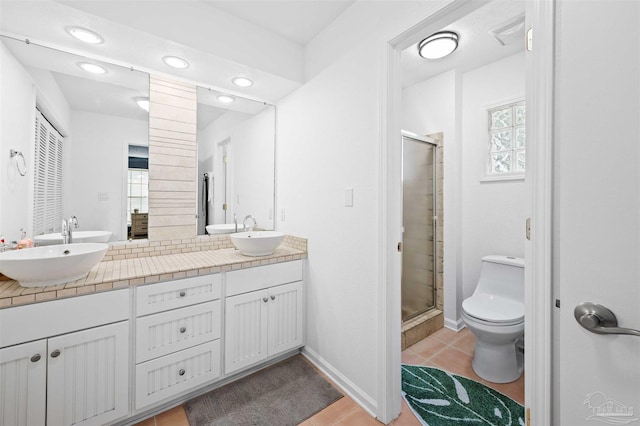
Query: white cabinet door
[
  {"x": 285, "y": 318},
  {"x": 245, "y": 330},
  {"x": 88, "y": 376},
  {"x": 23, "y": 381}
]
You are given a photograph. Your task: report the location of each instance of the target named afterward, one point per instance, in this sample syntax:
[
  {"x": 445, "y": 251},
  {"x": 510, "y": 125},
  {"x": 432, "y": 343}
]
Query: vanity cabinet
[
  {"x": 263, "y": 313},
  {"x": 70, "y": 378},
  {"x": 178, "y": 329}
]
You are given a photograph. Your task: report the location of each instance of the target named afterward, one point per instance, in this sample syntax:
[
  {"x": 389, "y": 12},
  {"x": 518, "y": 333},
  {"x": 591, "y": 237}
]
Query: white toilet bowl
[{"x": 495, "y": 316}]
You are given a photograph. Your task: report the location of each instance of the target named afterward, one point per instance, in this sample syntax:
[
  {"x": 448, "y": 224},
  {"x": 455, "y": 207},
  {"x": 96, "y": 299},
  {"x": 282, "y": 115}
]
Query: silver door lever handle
[{"x": 600, "y": 320}]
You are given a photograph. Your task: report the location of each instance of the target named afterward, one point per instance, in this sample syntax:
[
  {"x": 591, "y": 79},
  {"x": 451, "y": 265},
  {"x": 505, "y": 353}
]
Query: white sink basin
[
  {"x": 77, "y": 237},
  {"x": 257, "y": 243},
  {"x": 223, "y": 228},
  {"x": 51, "y": 265}
]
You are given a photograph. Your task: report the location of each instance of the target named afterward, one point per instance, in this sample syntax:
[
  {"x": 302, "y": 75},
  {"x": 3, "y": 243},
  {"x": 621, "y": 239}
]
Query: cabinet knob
[
  {"x": 265, "y": 299},
  {"x": 183, "y": 294},
  {"x": 181, "y": 372},
  {"x": 55, "y": 354},
  {"x": 273, "y": 298},
  {"x": 35, "y": 358},
  {"x": 183, "y": 329}
]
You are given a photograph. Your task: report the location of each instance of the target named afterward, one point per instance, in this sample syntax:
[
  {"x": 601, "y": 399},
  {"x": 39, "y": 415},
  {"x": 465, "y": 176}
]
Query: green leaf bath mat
[{"x": 439, "y": 398}]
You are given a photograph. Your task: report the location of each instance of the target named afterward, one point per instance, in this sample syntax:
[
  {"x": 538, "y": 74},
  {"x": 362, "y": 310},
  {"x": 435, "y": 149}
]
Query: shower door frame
[{"x": 434, "y": 217}]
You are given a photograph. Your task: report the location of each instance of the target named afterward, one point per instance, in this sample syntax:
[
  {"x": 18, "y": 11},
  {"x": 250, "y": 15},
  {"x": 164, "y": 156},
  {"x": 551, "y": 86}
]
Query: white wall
[
  {"x": 253, "y": 183},
  {"x": 250, "y": 168},
  {"x": 328, "y": 141},
  {"x": 480, "y": 218},
  {"x": 493, "y": 213},
  {"x": 96, "y": 153},
  {"x": 17, "y": 120}
]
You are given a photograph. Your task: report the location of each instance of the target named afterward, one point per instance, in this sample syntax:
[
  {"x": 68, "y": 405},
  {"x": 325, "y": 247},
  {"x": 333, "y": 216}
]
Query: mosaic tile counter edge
[{"x": 136, "y": 263}]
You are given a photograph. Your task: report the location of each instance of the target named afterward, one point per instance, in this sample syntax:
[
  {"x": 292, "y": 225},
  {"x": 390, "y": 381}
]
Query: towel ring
[{"x": 22, "y": 170}]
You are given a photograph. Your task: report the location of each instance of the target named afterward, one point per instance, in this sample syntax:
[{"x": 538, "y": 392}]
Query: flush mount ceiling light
[
  {"x": 175, "y": 62},
  {"x": 143, "y": 103},
  {"x": 242, "y": 81},
  {"x": 438, "y": 45},
  {"x": 225, "y": 99},
  {"x": 92, "y": 68},
  {"x": 85, "y": 35}
]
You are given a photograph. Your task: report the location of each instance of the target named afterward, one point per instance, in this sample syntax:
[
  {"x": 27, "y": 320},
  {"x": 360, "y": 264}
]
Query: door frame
[{"x": 538, "y": 301}]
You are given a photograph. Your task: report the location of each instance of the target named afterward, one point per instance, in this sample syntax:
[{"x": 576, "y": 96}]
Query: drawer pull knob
[
  {"x": 183, "y": 329},
  {"x": 181, "y": 372},
  {"x": 183, "y": 294},
  {"x": 273, "y": 298},
  {"x": 35, "y": 358},
  {"x": 55, "y": 354},
  {"x": 265, "y": 300}
]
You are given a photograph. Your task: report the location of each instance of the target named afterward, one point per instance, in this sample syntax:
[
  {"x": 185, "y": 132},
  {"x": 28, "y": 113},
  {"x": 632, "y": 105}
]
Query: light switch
[
  {"x": 103, "y": 196},
  {"x": 282, "y": 214},
  {"x": 348, "y": 197}
]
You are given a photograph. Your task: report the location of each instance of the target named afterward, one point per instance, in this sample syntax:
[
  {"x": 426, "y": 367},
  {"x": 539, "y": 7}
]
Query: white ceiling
[
  {"x": 299, "y": 21},
  {"x": 476, "y": 46},
  {"x": 261, "y": 39}
]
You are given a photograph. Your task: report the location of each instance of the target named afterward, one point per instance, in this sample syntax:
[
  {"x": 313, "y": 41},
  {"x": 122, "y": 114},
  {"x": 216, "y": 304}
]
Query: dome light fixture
[
  {"x": 92, "y": 68},
  {"x": 175, "y": 62},
  {"x": 143, "y": 103},
  {"x": 242, "y": 81},
  {"x": 438, "y": 45},
  {"x": 226, "y": 99},
  {"x": 85, "y": 35}
]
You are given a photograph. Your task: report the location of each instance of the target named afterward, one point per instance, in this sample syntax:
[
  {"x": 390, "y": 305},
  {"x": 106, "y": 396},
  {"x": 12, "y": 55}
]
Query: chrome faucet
[
  {"x": 67, "y": 229},
  {"x": 235, "y": 221},
  {"x": 244, "y": 222},
  {"x": 66, "y": 232}
]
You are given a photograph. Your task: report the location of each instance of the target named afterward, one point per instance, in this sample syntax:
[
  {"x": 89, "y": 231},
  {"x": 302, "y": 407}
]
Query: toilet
[{"x": 495, "y": 316}]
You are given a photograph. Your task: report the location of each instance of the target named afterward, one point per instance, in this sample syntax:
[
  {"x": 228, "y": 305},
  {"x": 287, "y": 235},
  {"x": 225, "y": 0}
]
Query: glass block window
[{"x": 507, "y": 140}]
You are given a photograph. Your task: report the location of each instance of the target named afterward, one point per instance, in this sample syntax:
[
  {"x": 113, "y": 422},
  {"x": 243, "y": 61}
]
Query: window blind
[{"x": 47, "y": 194}]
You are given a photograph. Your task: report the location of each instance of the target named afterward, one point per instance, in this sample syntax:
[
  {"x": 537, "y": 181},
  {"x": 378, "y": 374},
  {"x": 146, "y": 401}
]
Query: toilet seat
[{"x": 494, "y": 309}]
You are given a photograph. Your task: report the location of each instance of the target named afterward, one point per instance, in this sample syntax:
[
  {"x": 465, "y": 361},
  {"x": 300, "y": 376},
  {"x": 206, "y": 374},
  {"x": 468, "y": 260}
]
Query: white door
[
  {"x": 285, "y": 317},
  {"x": 596, "y": 247},
  {"x": 88, "y": 378},
  {"x": 246, "y": 319},
  {"x": 23, "y": 383}
]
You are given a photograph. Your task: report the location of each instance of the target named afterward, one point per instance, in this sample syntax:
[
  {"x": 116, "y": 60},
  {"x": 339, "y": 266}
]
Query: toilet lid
[{"x": 491, "y": 308}]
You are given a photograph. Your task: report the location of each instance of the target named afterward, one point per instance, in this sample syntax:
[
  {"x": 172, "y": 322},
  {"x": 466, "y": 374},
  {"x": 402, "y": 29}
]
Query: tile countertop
[{"x": 114, "y": 274}]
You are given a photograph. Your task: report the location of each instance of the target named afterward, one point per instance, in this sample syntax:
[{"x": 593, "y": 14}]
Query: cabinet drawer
[
  {"x": 167, "y": 332},
  {"x": 154, "y": 298},
  {"x": 173, "y": 374},
  {"x": 261, "y": 277}
]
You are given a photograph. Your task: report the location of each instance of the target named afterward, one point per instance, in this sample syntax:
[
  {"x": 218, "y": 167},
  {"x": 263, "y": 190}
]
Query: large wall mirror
[
  {"x": 97, "y": 111},
  {"x": 236, "y": 174},
  {"x": 101, "y": 121}
]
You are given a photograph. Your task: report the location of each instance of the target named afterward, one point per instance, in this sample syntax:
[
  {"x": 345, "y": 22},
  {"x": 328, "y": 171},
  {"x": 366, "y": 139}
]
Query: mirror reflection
[
  {"x": 236, "y": 175},
  {"x": 88, "y": 115}
]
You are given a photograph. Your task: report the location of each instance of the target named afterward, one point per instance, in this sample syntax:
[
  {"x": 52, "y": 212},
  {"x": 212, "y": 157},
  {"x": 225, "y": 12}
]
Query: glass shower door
[{"x": 419, "y": 225}]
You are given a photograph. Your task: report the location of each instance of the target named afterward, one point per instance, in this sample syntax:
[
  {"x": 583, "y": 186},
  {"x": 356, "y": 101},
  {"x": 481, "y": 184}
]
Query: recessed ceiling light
[
  {"x": 226, "y": 99},
  {"x": 175, "y": 62},
  {"x": 92, "y": 68},
  {"x": 85, "y": 35},
  {"x": 143, "y": 103},
  {"x": 438, "y": 45},
  {"x": 242, "y": 82}
]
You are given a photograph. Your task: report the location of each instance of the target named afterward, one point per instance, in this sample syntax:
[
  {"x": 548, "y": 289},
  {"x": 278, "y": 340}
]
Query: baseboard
[
  {"x": 453, "y": 324},
  {"x": 345, "y": 385}
]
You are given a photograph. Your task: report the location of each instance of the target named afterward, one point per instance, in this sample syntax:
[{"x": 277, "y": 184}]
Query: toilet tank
[{"x": 502, "y": 275}]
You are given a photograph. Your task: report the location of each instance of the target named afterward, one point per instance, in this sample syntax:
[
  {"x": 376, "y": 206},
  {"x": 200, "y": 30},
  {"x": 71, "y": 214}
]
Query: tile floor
[{"x": 444, "y": 349}]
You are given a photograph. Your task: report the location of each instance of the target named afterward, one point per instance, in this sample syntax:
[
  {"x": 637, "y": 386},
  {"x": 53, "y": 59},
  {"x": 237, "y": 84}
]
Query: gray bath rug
[{"x": 285, "y": 394}]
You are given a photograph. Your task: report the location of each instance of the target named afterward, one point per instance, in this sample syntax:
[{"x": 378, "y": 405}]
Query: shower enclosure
[{"x": 419, "y": 220}]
